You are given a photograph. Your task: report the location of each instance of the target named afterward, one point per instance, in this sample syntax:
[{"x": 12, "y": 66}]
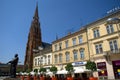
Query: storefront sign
[
  {"x": 78, "y": 63},
  {"x": 102, "y": 67},
  {"x": 116, "y": 68}
]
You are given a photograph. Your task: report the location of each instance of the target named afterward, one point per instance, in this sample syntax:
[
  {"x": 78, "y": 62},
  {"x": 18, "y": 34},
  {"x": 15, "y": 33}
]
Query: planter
[
  {"x": 35, "y": 77},
  {"x": 22, "y": 77},
  {"x": 28, "y": 77},
  {"x": 93, "y": 78}
]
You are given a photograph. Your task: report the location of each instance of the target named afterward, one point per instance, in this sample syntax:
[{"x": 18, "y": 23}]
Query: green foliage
[
  {"x": 53, "y": 69},
  {"x": 19, "y": 70},
  {"x": 42, "y": 70},
  {"x": 69, "y": 67},
  {"x": 91, "y": 66},
  {"x": 28, "y": 70},
  {"x": 35, "y": 70}
]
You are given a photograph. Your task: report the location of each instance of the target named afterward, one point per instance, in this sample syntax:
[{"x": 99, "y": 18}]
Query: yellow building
[
  {"x": 73, "y": 49},
  {"x": 104, "y": 43},
  {"x": 98, "y": 41}
]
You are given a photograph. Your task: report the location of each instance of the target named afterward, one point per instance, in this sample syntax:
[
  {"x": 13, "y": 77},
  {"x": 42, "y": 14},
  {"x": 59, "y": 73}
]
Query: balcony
[
  {"x": 113, "y": 52},
  {"x": 109, "y": 55}
]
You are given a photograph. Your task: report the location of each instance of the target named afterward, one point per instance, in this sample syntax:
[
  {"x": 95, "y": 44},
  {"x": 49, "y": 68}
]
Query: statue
[{"x": 13, "y": 66}]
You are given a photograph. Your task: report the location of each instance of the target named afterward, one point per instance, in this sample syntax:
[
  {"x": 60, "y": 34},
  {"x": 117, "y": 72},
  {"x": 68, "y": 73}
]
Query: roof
[
  {"x": 46, "y": 48},
  {"x": 90, "y": 24}
]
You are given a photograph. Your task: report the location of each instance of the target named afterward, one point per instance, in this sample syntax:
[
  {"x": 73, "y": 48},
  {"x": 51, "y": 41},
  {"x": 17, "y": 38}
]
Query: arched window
[
  {"x": 75, "y": 54},
  {"x": 38, "y": 61},
  {"x": 82, "y": 55},
  {"x": 35, "y": 62},
  {"x": 67, "y": 56},
  {"x": 45, "y": 60},
  {"x": 60, "y": 57},
  {"x": 56, "y": 58},
  {"x": 41, "y": 62},
  {"x": 49, "y": 59}
]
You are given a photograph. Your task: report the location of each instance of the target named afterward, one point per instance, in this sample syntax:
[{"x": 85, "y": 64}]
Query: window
[
  {"x": 74, "y": 41},
  {"x": 49, "y": 59},
  {"x": 35, "y": 62},
  {"x": 56, "y": 58},
  {"x": 75, "y": 55},
  {"x": 60, "y": 46},
  {"x": 82, "y": 53},
  {"x": 41, "y": 61},
  {"x": 96, "y": 33},
  {"x": 45, "y": 60},
  {"x": 80, "y": 39},
  {"x": 38, "y": 61},
  {"x": 60, "y": 57},
  {"x": 66, "y": 44},
  {"x": 109, "y": 29},
  {"x": 56, "y": 47},
  {"x": 98, "y": 48},
  {"x": 113, "y": 45},
  {"x": 67, "y": 57}
]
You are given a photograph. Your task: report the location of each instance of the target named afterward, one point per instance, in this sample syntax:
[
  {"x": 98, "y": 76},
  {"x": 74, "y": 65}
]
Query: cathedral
[{"x": 34, "y": 41}]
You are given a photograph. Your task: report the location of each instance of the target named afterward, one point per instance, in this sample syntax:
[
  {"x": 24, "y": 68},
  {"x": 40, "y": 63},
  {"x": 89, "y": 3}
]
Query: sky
[{"x": 57, "y": 17}]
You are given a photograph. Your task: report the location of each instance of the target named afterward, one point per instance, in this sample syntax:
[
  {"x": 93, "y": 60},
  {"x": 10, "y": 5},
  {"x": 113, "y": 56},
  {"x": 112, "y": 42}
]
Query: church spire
[
  {"x": 34, "y": 40},
  {"x": 36, "y": 16}
]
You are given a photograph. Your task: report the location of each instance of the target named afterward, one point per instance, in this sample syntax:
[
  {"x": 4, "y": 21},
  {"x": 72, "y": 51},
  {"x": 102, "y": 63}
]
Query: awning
[
  {"x": 50, "y": 73},
  {"x": 62, "y": 72},
  {"x": 79, "y": 70}
]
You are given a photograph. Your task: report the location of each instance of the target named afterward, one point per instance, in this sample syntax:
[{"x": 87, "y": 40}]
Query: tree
[
  {"x": 35, "y": 70},
  {"x": 91, "y": 66},
  {"x": 69, "y": 67},
  {"x": 53, "y": 69},
  {"x": 42, "y": 70},
  {"x": 28, "y": 70}
]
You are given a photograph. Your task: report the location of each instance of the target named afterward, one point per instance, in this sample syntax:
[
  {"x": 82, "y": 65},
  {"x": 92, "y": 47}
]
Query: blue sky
[{"x": 56, "y": 17}]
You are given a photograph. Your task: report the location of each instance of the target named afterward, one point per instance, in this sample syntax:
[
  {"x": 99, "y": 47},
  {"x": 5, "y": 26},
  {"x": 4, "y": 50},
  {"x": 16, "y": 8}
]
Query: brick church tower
[{"x": 34, "y": 40}]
